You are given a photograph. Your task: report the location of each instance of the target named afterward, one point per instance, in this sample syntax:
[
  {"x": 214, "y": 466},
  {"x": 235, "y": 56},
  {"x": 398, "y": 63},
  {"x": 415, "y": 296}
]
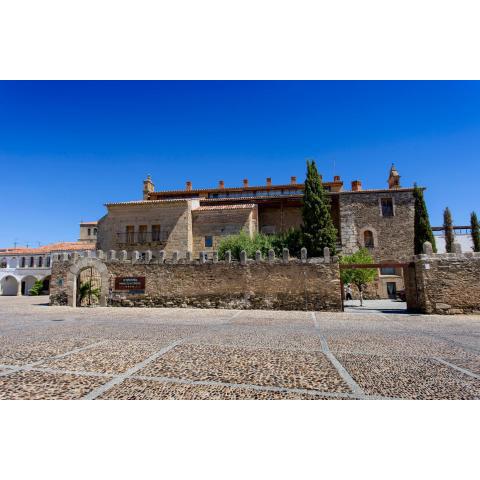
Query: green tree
[
  {"x": 360, "y": 277},
  {"x": 318, "y": 230},
  {"x": 448, "y": 228},
  {"x": 37, "y": 288},
  {"x": 422, "y": 229},
  {"x": 475, "y": 232},
  {"x": 87, "y": 290}
]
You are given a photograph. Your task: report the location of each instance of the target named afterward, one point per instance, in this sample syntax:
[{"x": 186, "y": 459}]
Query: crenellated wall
[{"x": 179, "y": 281}]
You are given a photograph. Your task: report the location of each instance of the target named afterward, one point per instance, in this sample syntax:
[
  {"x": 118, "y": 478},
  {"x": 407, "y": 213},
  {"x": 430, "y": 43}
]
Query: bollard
[
  {"x": 271, "y": 255},
  {"x": 258, "y": 256},
  {"x": 243, "y": 257},
  {"x": 215, "y": 257},
  {"x": 228, "y": 256},
  {"x": 326, "y": 255},
  {"x": 286, "y": 255},
  {"x": 303, "y": 254}
]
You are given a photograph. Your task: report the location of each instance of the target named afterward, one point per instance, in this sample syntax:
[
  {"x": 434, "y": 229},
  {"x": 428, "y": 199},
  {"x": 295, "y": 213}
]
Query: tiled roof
[
  {"x": 150, "y": 202},
  {"x": 88, "y": 223},
  {"x": 52, "y": 247},
  {"x": 227, "y": 207}
]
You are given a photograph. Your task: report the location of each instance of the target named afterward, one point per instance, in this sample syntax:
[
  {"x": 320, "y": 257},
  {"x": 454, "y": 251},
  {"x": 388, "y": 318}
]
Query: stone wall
[
  {"x": 448, "y": 282},
  {"x": 312, "y": 284},
  {"x": 393, "y": 236}
]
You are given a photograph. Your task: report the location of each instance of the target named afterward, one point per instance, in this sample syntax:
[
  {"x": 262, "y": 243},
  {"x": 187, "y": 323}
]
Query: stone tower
[
  {"x": 393, "y": 178},
  {"x": 148, "y": 187}
]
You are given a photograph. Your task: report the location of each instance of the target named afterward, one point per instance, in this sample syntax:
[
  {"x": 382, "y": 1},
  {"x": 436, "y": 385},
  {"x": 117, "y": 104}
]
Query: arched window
[{"x": 368, "y": 239}]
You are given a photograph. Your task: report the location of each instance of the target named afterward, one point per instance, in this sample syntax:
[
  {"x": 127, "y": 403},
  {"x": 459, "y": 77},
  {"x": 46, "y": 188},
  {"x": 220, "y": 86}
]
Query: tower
[
  {"x": 393, "y": 178},
  {"x": 148, "y": 187}
]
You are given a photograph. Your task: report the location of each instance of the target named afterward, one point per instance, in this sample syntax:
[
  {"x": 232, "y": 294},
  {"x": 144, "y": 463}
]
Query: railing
[{"x": 142, "y": 238}]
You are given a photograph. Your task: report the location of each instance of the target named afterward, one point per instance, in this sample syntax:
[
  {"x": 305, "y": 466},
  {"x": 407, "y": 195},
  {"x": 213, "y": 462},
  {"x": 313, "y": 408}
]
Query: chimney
[
  {"x": 188, "y": 185},
  {"x": 148, "y": 187},
  {"x": 293, "y": 180},
  {"x": 245, "y": 182},
  {"x": 221, "y": 184},
  {"x": 336, "y": 178},
  {"x": 269, "y": 182},
  {"x": 356, "y": 186}
]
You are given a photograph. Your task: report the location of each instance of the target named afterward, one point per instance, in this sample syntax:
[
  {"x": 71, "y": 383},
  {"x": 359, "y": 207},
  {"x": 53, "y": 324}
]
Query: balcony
[{"x": 142, "y": 238}]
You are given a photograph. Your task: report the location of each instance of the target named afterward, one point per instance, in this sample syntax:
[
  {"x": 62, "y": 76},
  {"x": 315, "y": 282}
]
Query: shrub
[
  {"x": 37, "y": 288},
  {"x": 292, "y": 239}
]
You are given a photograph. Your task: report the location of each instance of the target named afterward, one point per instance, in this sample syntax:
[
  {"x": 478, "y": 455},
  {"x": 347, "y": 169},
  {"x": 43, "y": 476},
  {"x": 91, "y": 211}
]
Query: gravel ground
[{"x": 137, "y": 353}]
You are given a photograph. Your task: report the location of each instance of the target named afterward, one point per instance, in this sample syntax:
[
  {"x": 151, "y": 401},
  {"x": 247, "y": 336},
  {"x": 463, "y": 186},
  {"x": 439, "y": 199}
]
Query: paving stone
[
  {"x": 133, "y": 389},
  {"x": 46, "y": 386},
  {"x": 248, "y": 366},
  {"x": 409, "y": 378}
]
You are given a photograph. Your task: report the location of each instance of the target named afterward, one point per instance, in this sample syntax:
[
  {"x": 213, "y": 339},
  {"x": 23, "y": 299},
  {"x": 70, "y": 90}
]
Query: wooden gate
[{"x": 89, "y": 284}]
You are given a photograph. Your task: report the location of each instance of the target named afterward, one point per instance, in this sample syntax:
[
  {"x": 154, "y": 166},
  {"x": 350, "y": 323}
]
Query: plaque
[{"x": 134, "y": 285}]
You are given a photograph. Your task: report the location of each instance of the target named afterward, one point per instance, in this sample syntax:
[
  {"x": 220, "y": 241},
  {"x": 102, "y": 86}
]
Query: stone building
[{"x": 196, "y": 220}]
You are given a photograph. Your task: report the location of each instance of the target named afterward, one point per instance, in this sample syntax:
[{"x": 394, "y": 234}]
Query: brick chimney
[
  {"x": 221, "y": 184},
  {"x": 336, "y": 178},
  {"x": 356, "y": 186},
  {"x": 245, "y": 182},
  {"x": 188, "y": 185},
  {"x": 269, "y": 182},
  {"x": 148, "y": 187},
  {"x": 293, "y": 180}
]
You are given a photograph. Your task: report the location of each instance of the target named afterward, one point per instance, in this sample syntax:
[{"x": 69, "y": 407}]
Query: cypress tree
[
  {"x": 318, "y": 230},
  {"x": 448, "y": 228},
  {"x": 422, "y": 229},
  {"x": 475, "y": 232}
]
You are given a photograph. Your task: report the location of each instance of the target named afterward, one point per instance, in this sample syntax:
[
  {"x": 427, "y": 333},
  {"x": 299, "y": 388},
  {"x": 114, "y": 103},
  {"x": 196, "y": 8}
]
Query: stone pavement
[{"x": 138, "y": 353}]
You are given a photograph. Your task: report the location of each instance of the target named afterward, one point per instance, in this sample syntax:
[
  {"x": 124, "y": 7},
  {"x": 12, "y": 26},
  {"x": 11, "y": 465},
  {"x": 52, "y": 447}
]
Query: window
[
  {"x": 142, "y": 234},
  {"x": 387, "y": 271},
  {"x": 268, "y": 229},
  {"x": 32, "y": 262},
  {"x": 368, "y": 239},
  {"x": 95, "y": 231},
  {"x": 3, "y": 263},
  {"x": 40, "y": 261},
  {"x": 24, "y": 262},
  {"x": 208, "y": 241},
  {"x": 48, "y": 262},
  {"x": 89, "y": 231},
  {"x": 155, "y": 233},
  {"x": 387, "y": 207},
  {"x": 130, "y": 232}
]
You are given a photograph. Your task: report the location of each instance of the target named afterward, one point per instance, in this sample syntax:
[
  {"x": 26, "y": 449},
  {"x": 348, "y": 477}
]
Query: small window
[
  {"x": 155, "y": 233},
  {"x": 208, "y": 241},
  {"x": 142, "y": 234},
  {"x": 368, "y": 239},
  {"x": 32, "y": 262},
  {"x": 24, "y": 262},
  {"x": 387, "y": 207},
  {"x": 48, "y": 262},
  {"x": 3, "y": 264},
  {"x": 40, "y": 261},
  {"x": 95, "y": 231},
  {"x": 89, "y": 231},
  {"x": 387, "y": 271},
  {"x": 130, "y": 232}
]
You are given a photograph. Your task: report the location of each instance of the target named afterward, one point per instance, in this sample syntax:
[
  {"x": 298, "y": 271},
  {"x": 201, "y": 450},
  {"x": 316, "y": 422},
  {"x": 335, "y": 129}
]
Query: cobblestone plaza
[{"x": 134, "y": 353}]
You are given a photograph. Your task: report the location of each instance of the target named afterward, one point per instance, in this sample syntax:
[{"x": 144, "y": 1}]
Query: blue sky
[{"x": 66, "y": 148}]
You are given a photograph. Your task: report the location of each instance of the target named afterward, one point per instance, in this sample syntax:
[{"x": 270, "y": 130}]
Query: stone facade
[
  {"x": 448, "y": 283},
  {"x": 281, "y": 284}
]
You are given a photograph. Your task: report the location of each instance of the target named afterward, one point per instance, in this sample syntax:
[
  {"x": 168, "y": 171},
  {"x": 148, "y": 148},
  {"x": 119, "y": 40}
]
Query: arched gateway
[{"x": 73, "y": 276}]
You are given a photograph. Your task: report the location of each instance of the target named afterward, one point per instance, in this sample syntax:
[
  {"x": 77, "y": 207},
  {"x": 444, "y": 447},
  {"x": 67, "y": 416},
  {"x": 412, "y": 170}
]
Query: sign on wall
[{"x": 130, "y": 284}]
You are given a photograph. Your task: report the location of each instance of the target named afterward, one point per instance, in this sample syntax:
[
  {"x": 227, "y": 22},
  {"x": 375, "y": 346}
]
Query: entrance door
[{"x": 392, "y": 290}]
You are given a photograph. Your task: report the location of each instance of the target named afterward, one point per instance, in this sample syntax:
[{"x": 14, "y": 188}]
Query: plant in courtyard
[
  {"x": 243, "y": 241},
  {"x": 422, "y": 229},
  {"x": 291, "y": 239},
  {"x": 318, "y": 230},
  {"x": 88, "y": 291},
  {"x": 37, "y": 288},
  {"x": 448, "y": 228},
  {"x": 475, "y": 232},
  {"x": 360, "y": 277}
]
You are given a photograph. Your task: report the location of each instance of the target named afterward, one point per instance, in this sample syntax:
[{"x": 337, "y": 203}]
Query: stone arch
[
  {"x": 9, "y": 285},
  {"x": 73, "y": 273},
  {"x": 363, "y": 234},
  {"x": 27, "y": 283}
]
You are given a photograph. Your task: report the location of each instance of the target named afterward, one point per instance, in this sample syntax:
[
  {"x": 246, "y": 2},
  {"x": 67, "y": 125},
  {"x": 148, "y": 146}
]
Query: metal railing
[{"x": 142, "y": 238}]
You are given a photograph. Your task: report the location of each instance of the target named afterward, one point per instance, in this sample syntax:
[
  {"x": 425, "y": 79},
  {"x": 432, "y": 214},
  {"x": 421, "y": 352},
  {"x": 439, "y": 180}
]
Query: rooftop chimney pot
[
  {"x": 221, "y": 184},
  {"x": 336, "y": 178},
  {"x": 356, "y": 186},
  {"x": 188, "y": 185},
  {"x": 293, "y": 180},
  {"x": 269, "y": 182},
  {"x": 245, "y": 182}
]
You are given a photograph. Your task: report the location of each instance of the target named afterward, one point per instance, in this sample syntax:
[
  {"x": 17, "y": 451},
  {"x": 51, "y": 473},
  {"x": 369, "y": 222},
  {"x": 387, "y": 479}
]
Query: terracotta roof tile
[
  {"x": 227, "y": 207},
  {"x": 52, "y": 247}
]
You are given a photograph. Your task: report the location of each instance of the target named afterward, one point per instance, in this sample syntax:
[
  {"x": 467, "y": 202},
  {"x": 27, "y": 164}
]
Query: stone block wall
[
  {"x": 448, "y": 283},
  {"x": 393, "y": 236},
  {"x": 292, "y": 285}
]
